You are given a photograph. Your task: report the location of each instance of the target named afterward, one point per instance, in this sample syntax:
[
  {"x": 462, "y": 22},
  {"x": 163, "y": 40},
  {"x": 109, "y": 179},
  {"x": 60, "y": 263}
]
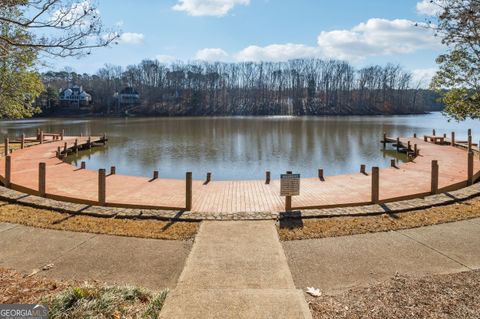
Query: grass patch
[
  {"x": 42, "y": 218},
  {"x": 106, "y": 302},
  {"x": 343, "y": 226},
  {"x": 67, "y": 299}
]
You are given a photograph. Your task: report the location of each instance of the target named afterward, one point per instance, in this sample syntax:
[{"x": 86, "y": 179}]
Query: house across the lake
[
  {"x": 128, "y": 96},
  {"x": 75, "y": 97}
]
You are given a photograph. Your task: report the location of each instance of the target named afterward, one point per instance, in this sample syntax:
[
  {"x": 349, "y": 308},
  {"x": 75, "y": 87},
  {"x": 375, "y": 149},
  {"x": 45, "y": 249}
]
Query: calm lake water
[{"x": 242, "y": 147}]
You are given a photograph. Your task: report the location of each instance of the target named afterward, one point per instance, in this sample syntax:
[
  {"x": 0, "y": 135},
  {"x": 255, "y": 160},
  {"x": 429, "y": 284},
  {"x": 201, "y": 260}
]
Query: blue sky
[{"x": 361, "y": 32}]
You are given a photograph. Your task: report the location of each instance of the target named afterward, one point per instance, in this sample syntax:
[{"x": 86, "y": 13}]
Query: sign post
[{"x": 289, "y": 186}]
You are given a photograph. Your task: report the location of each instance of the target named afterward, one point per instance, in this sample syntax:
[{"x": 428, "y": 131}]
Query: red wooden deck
[{"x": 66, "y": 182}]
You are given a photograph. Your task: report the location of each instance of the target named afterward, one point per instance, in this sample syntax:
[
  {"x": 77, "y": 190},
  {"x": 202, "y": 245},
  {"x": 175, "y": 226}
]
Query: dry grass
[
  {"x": 342, "y": 226},
  {"x": 440, "y": 296},
  {"x": 28, "y": 216},
  {"x": 68, "y": 299}
]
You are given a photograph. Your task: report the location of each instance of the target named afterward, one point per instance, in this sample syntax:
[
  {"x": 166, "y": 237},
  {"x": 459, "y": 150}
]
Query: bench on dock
[{"x": 434, "y": 139}]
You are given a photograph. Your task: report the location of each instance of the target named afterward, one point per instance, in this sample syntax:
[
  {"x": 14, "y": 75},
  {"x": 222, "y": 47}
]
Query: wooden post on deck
[
  {"x": 75, "y": 146},
  {"x": 409, "y": 146},
  {"x": 42, "y": 179},
  {"x": 59, "y": 152},
  {"x": 22, "y": 141},
  {"x": 433, "y": 132},
  {"x": 188, "y": 191},
  {"x": 267, "y": 177},
  {"x": 415, "y": 149},
  {"x": 209, "y": 178},
  {"x": 41, "y": 136},
  {"x": 363, "y": 169},
  {"x": 414, "y": 135},
  {"x": 113, "y": 170},
  {"x": 8, "y": 170},
  {"x": 89, "y": 142},
  {"x": 62, "y": 134},
  {"x": 393, "y": 163},
  {"x": 65, "y": 149},
  {"x": 469, "y": 143},
  {"x": 155, "y": 174},
  {"x": 398, "y": 144},
  {"x": 320, "y": 174},
  {"x": 384, "y": 140},
  {"x": 470, "y": 168},
  {"x": 7, "y": 146},
  {"x": 453, "y": 139},
  {"x": 469, "y": 132},
  {"x": 288, "y": 199},
  {"x": 83, "y": 165},
  {"x": 375, "y": 185},
  {"x": 38, "y": 134},
  {"x": 434, "y": 179},
  {"x": 102, "y": 187}
]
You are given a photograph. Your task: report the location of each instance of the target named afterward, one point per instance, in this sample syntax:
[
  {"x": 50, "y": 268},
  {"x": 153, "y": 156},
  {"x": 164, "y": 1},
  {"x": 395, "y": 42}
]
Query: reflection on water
[{"x": 242, "y": 147}]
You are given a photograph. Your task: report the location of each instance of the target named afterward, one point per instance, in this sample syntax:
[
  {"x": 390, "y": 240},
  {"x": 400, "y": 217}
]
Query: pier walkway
[{"x": 69, "y": 183}]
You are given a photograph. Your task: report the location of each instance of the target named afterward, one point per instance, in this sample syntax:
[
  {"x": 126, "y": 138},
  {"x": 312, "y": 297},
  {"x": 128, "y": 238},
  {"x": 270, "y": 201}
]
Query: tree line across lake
[{"x": 297, "y": 87}]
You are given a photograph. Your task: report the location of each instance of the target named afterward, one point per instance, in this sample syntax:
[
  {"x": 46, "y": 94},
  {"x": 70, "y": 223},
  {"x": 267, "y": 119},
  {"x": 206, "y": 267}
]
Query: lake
[{"x": 242, "y": 147}]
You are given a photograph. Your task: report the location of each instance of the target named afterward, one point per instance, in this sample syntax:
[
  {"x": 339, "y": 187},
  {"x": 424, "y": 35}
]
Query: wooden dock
[{"x": 68, "y": 183}]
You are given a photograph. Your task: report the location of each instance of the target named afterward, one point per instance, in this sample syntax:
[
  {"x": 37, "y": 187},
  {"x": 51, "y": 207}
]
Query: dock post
[
  {"x": 425, "y": 138},
  {"x": 41, "y": 136},
  {"x": 65, "y": 149},
  {"x": 38, "y": 134},
  {"x": 415, "y": 149},
  {"x": 113, "y": 170},
  {"x": 433, "y": 132},
  {"x": 470, "y": 168},
  {"x": 453, "y": 139},
  {"x": 434, "y": 179},
  {"x": 42, "y": 179},
  {"x": 104, "y": 138},
  {"x": 83, "y": 165},
  {"x": 89, "y": 142},
  {"x": 384, "y": 140},
  {"x": 59, "y": 152},
  {"x": 155, "y": 174},
  {"x": 363, "y": 169},
  {"x": 288, "y": 199},
  {"x": 375, "y": 185},
  {"x": 7, "y": 146},
  {"x": 102, "y": 187},
  {"x": 414, "y": 135},
  {"x": 393, "y": 163},
  {"x": 267, "y": 177},
  {"x": 409, "y": 146},
  {"x": 320, "y": 174},
  {"x": 188, "y": 191},
  {"x": 469, "y": 132},
  {"x": 75, "y": 146},
  {"x": 209, "y": 178},
  {"x": 22, "y": 142},
  {"x": 62, "y": 134},
  {"x": 8, "y": 171},
  {"x": 469, "y": 143},
  {"x": 398, "y": 144}
]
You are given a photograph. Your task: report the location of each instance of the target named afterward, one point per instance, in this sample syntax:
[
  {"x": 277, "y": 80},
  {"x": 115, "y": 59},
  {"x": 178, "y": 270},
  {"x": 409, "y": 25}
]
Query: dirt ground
[
  {"x": 441, "y": 296},
  {"x": 343, "y": 226},
  {"x": 28, "y": 216}
]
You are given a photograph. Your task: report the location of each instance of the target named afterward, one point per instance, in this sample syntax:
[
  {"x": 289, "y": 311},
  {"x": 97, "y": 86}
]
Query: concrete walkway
[
  {"x": 236, "y": 270},
  {"x": 336, "y": 264},
  {"x": 150, "y": 263}
]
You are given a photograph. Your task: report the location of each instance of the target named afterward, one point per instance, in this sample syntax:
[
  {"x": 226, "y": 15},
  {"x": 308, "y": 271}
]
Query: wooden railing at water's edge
[{"x": 74, "y": 144}]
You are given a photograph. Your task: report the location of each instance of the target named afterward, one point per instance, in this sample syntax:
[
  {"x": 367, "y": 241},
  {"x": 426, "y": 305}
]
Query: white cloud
[
  {"x": 429, "y": 8},
  {"x": 212, "y": 54},
  {"x": 131, "y": 38},
  {"x": 277, "y": 52},
  {"x": 423, "y": 77},
  {"x": 163, "y": 58},
  {"x": 377, "y": 37},
  {"x": 208, "y": 7}
]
